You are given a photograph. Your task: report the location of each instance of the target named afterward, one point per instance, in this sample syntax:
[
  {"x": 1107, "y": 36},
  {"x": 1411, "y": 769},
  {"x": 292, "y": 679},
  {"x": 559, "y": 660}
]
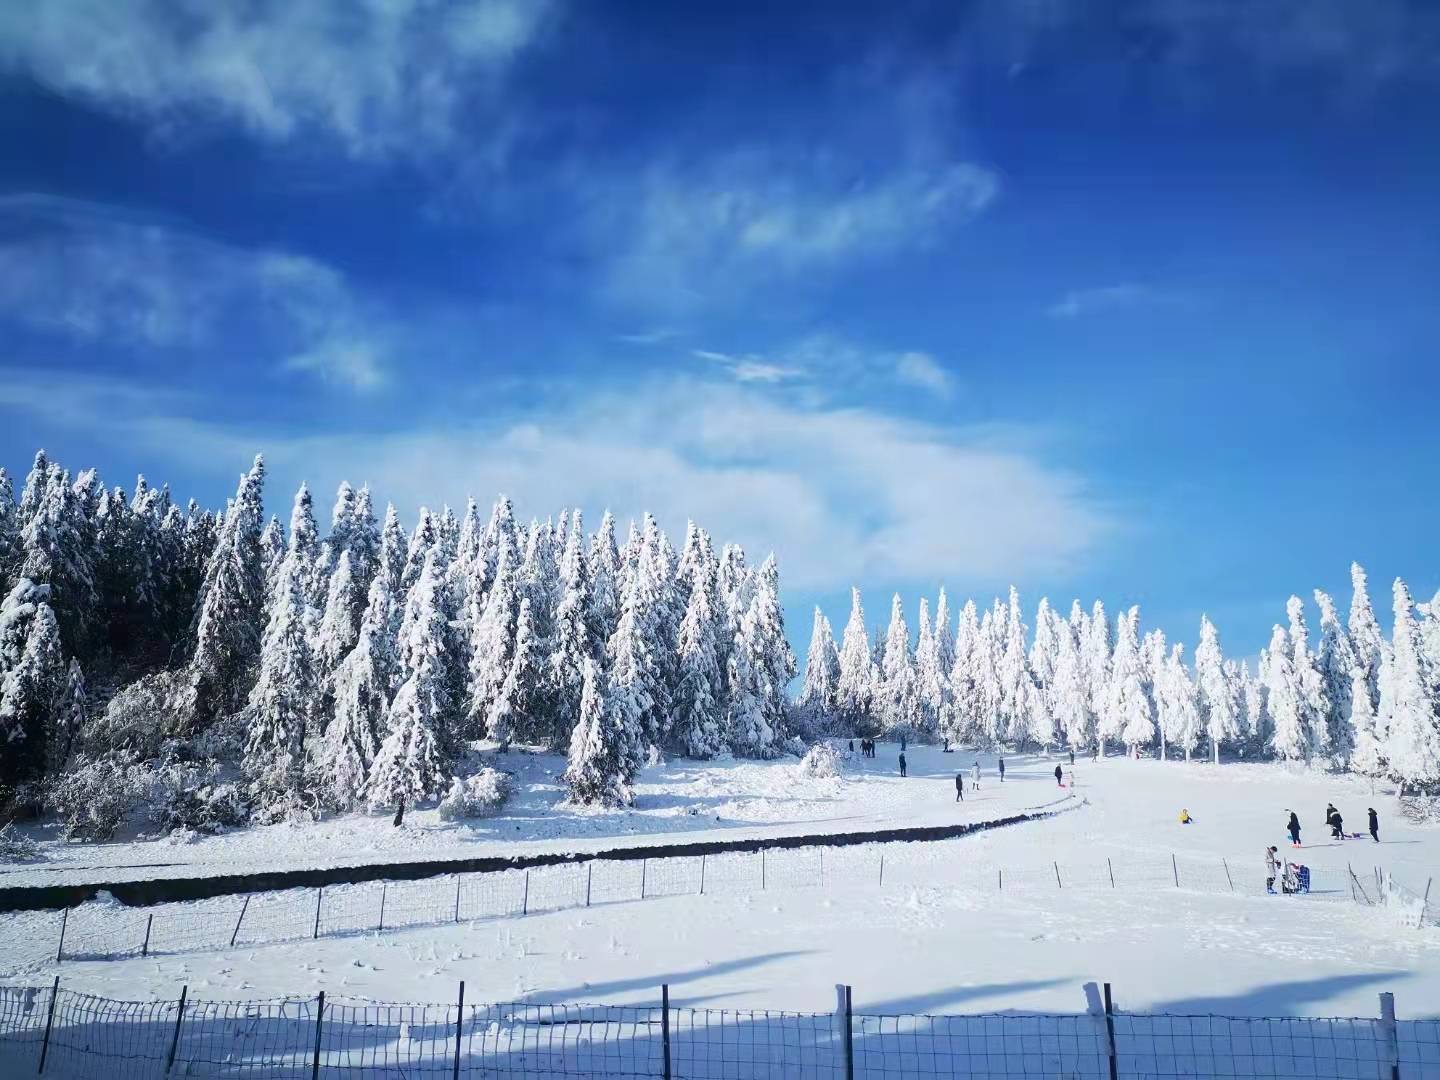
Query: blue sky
[{"x": 1131, "y": 300}]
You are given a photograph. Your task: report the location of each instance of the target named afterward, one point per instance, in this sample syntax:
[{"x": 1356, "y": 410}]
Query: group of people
[
  {"x": 1294, "y": 877},
  {"x": 1336, "y": 822},
  {"x": 867, "y": 747}
]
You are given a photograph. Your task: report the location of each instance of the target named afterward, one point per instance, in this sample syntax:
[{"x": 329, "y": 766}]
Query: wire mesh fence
[
  {"x": 112, "y": 931},
  {"x": 60, "y": 1033}
]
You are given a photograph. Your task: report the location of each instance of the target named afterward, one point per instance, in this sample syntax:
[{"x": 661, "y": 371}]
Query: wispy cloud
[
  {"x": 1080, "y": 302},
  {"x": 752, "y": 464},
  {"x": 104, "y": 276},
  {"x": 382, "y": 79},
  {"x": 750, "y": 368},
  {"x": 923, "y": 370}
]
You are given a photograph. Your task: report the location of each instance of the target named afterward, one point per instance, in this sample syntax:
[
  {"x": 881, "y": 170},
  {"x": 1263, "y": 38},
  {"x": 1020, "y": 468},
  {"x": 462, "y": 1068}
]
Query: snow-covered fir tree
[
  {"x": 962, "y": 714},
  {"x": 1179, "y": 713},
  {"x": 1284, "y": 699},
  {"x": 1044, "y": 649},
  {"x": 821, "y": 692},
  {"x": 1366, "y": 640},
  {"x": 570, "y": 642},
  {"x": 1408, "y": 717},
  {"x": 1218, "y": 700},
  {"x": 409, "y": 766},
  {"x": 57, "y": 540},
  {"x": 1128, "y": 714},
  {"x": 601, "y": 765},
  {"x": 603, "y": 568},
  {"x": 1336, "y": 662},
  {"x": 1309, "y": 685},
  {"x": 1095, "y": 653},
  {"x": 492, "y": 643},
  {"x": 425, "y": 651},
  {"x": 898, "y": 698},
  {"x": 1016, "y": 680},
  {"x": 853, "y": 690},
  {"x": 697, "y": 726},
  {"x": 930, "y": 682},
  {"x": 1068, "y": 699},
  {"x": 32, "y": 673},
  {"x": 761, "y": 666},
  {"x": 513, "y": 709}
]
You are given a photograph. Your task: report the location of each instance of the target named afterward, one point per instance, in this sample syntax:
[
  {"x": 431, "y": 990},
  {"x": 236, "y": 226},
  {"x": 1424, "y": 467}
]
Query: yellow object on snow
[{"x": 1184, "y": 817}]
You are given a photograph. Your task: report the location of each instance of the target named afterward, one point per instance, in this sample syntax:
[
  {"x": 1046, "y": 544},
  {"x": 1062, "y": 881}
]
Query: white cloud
[
  {"x": 750, "y": 368},
  {"x": 840, "y": 494},
  {"x": 923, "y": 370},
  {"x": 94, "y": 274},
  {"x": 1079, "y": 302},
  {"x": 381, "y": 78}
]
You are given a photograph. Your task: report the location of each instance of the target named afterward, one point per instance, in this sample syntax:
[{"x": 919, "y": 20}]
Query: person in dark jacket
[
  {"x": 959, "y": 787},
  {"x": 902, "y": 763},
  {"x": 1374, "y": 825},
  {"x": 1059, "y": 776},
  {"x": 1002, "y": 770},
  {"x": 1072, "y": 757},
  {"x": 1294, "y": 829},
  {"x": 1337, "y": 826}
]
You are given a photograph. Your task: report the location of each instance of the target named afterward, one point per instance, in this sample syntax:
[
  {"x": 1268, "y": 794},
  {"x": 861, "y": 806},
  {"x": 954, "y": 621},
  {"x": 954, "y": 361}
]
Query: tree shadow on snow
[{"x": 1282, "y": 998}]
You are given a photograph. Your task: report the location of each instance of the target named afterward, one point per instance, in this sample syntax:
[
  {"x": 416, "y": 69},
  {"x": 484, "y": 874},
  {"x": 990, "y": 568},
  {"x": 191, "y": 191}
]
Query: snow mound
[
  {"x": 822, "y": 762},
  {"x": 479, "y": 795}
]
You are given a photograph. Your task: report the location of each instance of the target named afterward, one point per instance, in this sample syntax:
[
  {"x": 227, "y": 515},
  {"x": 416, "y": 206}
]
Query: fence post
[
  {"x": 384, "y": 888},
  {"x": 457, "y": 901},
  {"x": 882, "y": 869},
  {"x": 49, "y": 1022},
  {"x": 822, "y": 867},
  {"x": 1389, "y": 1035},
  {"x": 1000, "y": 876},
  {"x": 319, "y": 1019},
  {"x": 1228, "y": 878},
  {"x": 1175, "y": 869},
  {"x": 60, "y": 949},
  {"x": 665, "y": 1027},
  {"x": 244, "y": 904},
  {"x": 145, "y": 946},
  {"x": 319, "y": 895},
  {"x": 1425, "y": 903},
  {"x": 1111, "y": 867},
  {"x": 1058, "y": 885},
  {"x": 702, "y": 874},
  {"x": 849, "y": 1038},
  {"x": 762, "y": 868},
  {"x": 644, "y": 866},
  {"x": 589, "y": 872},
  {"x": 525, "y": 900},
  {"x": 175, "y": 1037},
  {"x": 1110, "y": 1034},
  {"x": 459, "y": 1026}
]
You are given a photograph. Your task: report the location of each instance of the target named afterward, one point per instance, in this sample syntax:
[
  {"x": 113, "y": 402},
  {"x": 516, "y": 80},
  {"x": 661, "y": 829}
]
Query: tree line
[
  {"x": 355, "y": 668},
  {"x": 1353, "y": 700}
]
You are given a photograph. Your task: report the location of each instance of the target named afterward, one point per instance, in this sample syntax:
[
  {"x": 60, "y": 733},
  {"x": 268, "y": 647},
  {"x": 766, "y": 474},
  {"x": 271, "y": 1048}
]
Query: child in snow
[
  {"x": 1293, "y": 828},
  {"x": 1185, "y": 817},
  {"x": 1374, "y": 825}
]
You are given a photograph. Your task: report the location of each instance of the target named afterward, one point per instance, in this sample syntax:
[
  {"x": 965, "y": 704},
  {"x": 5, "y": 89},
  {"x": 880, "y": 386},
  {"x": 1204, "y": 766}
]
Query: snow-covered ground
[{"x": 937, "y": 936}]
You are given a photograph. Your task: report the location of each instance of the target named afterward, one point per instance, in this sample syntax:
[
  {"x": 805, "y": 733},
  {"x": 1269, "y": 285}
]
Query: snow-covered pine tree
[
  {"x": 512, "y": 712},
  {"x": 32, "y": 674},
  {"x": 1069, "y": 701},
  {"x": 1215, "y": 691},
  {"x": 425, "y": 650},
  {"x": 423, "y": 540},
  {"x": 69, "y": 716},
  {"x": 1095, "y": 655},
  {"x": 852, "y": 692},
  {"x": 630, "y": 700},
  {"x": 304, "y": 549},
  {"x": 761, "y": 666},
  {"x": 1044, "y": 649},
  {"x": 1408, "y": 717},
  {"x": 1308, "y": 682},
  {"x": 58, "y": 543},
  {"x": 820, "y": 694},
  {"x": 361, "y": 691},
  {"x": 342, "y": 516},
  {"x": 697, "y": 726},
  {"x": 899, "y": 701},
  {"x": 1258, "y": 727},
  {"x": 466, "y": 571},
  {"x": 393, "y": 547},
  {"x": 1366, "y": 640},
  {"x": 930, "y": 682},
  {"x": 1015, "y": 677},
  {"x": 36, "y": 481},
  {"x": 1179, "y": 707},
  {"x": 282, "y": 706},
  {"x": 1128, "y": 716},
  {"x": 1153, "y": 654},
  {"x": 9, "y": 530},
  {"x": 1337, "y": 664},
  {"x": 1283, "y": 698},
  {"x": 570, "y": 642},
  {"x": 603, "y": 568},
  {"x": 1367, "y": 757},
  {"x": 944, "y": 640},
  {"x": 962, "y": 716},
  {"x": 492, "y": 642},
  {"x": 409, "y": 766},
  {"x": 601, "y": 764},
  {"x": 985, "y": 660},
  {"x": 232, "y": 600},
  {"x": 272, "y": 551}
]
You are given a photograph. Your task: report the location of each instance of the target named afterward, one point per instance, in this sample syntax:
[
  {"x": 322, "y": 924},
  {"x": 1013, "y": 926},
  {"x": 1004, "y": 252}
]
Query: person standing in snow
[
  {"x": 1072, "y": 759},
  {"x": 1002, "y": 770},
  {"x": 1294, "y": 829},
  {"x": 1337, "y": 826},
  {"x": 959, "y": 787},
  {"x": 902, "y": 762},
  {"x": 1272, "y": 869},
  {"x": 1059, "y": 776},
  {"x": 975, "y": 776},
  {"x": 1374, "y": 825}
]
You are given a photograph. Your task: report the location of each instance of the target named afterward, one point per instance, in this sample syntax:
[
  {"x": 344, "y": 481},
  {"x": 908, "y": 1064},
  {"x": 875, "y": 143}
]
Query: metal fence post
[
  {"x": 1058, "y": 884},
  {"x": 145, "y": 946},
  {"x": 1388, "y": 1034},
  {"x": 319, "y": 895},
  {"x": 762, "y": 868},
  {"x": 1000, "y": 877},
  {"x": 644, "y": 867},
  {"x": 1111, "y": 867},
  {"x": 384, "y": 888},
  {"x": 1228, "y": 878},
  {"x": 60, "y": 949},
  {"x": 175, "y": 1037},
  {"x": 319, "y": 1019},
  {"x": 849, "y": 1037},
  {"x": 665, "y": 1027},
  {"x": 702, "y": 875},
  {"x": 882, "y": 869},
  {"x": 525, "y": 900},
  {"x": 49, "y": 1022},
  {"x": 459, "y": 1026},
  {"x": 1110, "y": 1034},
  {"x": 244, "y": 904},
  {"x": 1425, "y": 903},
  {"x": 457, "y": 901},
  {"x": 1175, "y": 869},
  {"x": 822, "y": 867},
  {"x": 589, "y": 873}
]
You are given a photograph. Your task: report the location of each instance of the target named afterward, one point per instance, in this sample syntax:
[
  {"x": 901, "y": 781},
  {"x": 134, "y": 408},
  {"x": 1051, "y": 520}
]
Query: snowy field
[{"x": 938, "y": 936}]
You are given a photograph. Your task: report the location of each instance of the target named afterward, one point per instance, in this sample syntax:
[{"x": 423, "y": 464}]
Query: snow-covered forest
[
  {"x": 1352, "y": 699},
  {"x": 228, "y": 669}
]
